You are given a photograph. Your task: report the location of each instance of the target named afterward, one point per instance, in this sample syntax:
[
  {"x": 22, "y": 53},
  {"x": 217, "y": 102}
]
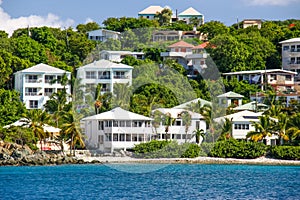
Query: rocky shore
[{"x": 16, "y": 155}]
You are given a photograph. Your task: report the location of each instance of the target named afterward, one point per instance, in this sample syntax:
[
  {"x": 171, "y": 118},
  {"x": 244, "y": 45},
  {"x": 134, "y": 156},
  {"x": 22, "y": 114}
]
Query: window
[
  {"x": 122, "y": 123},
  {"x": 288, "y": 77},
  {"x": 30, "y": 91},
  {"x": 122, "y": 137},
  {"x": 178, "y": 123},
  {"x": 298, "y": 48},
  {"x": 273, "y": 77},
  {"x": 293, "y": 48},
  {"x": 108, "y": 123},
  {"x": 33, "y": 104},
  {"x": 48, "y": 91},
  {"x": 115, "y": 137},
  {"x": 58, "y": 79},
  {"x": 104, "y": 75},
  {"x": 119, "y": 75},
  {"x": 100, "y": 139},
  {"x": 293, "y": 60},
  {"x": 116, "y": 123},
  {"x": 241, "y": 126},
  {"x": 298, "y": 60},
  {"x": 100, "y": 125},
  {"x": 31, "y": 78},
  {"x": 49, "y": 78},
  {"x": 90, "y": 75},
  {"x": 285, "y": 48},
  {"x": 197, "y": 124}
]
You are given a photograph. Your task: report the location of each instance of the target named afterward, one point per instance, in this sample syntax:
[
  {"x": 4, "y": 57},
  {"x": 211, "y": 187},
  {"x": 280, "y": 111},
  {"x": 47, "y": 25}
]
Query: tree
[
  {"x": 199, "y": 133},
  {"x": 36, "y": 119},
  {"x": 281, "y": 127},
  {"x": 71, "y": 128},
  {"x": 157, "y": 119},
  {"x": 186, "y": 121},
  {"x": 263, "y": 128},
  {"x": 213, "y": 28},
  {"x": 168, "y": 121},
  {"x": 90, "y": 26},
  {"x": 227, "y": 129},
  {"x": 121, "y": 96},
  {"x": 164, "y": 17}
]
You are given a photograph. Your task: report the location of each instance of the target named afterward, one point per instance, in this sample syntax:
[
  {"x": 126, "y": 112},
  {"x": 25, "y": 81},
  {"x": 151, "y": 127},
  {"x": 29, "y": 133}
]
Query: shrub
[
  {"x": 206, "y": 148},
  {"x": 166, "y": 149},
  {"x": 238, "y": 149},
  {"x": 285, "y": 152}
]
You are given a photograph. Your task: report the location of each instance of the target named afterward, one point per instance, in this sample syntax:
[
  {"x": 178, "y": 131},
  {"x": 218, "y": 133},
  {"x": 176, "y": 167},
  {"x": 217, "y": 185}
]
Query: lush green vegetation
[
  {"x": 238, "y": 149},
  {"x": 166, "y": 149},
  {"x": 285, "y": 152}
]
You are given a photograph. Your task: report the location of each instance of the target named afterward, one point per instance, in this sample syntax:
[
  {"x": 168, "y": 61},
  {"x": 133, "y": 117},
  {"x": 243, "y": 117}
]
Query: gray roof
[
  {"x": 105, "y": 64},
  {"x": 251, "y": 106},
  {"x": 230, "y": 95},
  {"x": 202, "y": 102},
  {"x": 43, "y": 68},
  {"x": 260, "y": 72},
  {"x": 290, "y": 40},
  {"x": 117, "y": 114}
]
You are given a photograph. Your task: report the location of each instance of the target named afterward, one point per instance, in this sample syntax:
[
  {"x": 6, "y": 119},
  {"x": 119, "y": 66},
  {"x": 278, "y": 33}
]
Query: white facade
[
  {"x": 36, "y": 84},
  {"x": 106, "y": 73},
  {"x": 291, "y": 55},
  {"x": 189, "y": 13},
  {"x": 252, "y": 22},
  {"x": 150, "y": 12},
  {"x": 242, "y": 124},
  {"x": 230, "y": 99},
  {"x": 280, "y": 80},
  {"x": 103, "y": 34},
  {"x": 116, "y": 129},
  {"x": 177, "y": 131},
  {"x": 117, "y": 56}
]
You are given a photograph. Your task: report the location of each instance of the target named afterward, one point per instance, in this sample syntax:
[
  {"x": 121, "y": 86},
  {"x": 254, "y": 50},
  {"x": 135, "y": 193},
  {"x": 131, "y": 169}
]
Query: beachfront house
[
  {"x": 106, "y": 73},
  {"x": 178, "y": 129},
  {"x": 117, "y": 129},
  {"x": 242, "y": 124},
  {"x": 36, "y": 84}
]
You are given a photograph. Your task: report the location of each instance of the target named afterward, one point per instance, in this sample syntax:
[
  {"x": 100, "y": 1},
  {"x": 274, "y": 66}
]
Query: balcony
[
  {"x": 120, "y": 77},
  {"x": 104, "y": 77},
  {"x": 31, "y": 94}
]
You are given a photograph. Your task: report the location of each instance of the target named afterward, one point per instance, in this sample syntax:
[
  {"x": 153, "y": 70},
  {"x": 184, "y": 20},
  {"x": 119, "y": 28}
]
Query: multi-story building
[
  {"x": 103, "y": 34},
  {"x": 189, "y": 14},
  {"x": 150, "y": 12},
  {"x": 106, "y": 73},
  {"x": 252, "y": 22},
  {"x": 280, "y": 80},
  {"x": 190, "y": 57},
  {"x": 36, "y": 84},
  {"x": 291, "y": 55},
  {"x": 117, "y": 56},
  {"x": 171, "y": 35}
]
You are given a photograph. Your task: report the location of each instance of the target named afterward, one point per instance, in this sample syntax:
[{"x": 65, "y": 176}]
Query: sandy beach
[{"x": 198, "y": 160}]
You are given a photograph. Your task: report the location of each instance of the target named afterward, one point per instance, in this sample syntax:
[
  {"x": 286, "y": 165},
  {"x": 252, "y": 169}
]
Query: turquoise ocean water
[{"x": 131, "y": 181}]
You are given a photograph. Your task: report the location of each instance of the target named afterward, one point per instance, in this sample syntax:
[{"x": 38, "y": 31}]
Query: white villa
[
  {"x": 36, "y": 84},
  {"x": 279, "y": 79},
  {"x": 190, "y": 57},
  {"x": 189, "y": 13},
  {"x": 106, "y": 73},
  {"x": 117, "y": 56},
  {"x": 242, "y": 124},
  {"x": 116, "y": 129},
  {"x": 103, "y": 34},
  {"x": 230, "y": 99},
  {"x": 252, "y": 22},
  {"x": 177, "y": 131},
  {"x": 150, "y": 12},
  {"x": 291, "y": 55}
]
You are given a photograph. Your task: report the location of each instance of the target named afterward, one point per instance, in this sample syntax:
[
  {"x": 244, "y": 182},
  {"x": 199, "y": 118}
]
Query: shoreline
[{"x": 198, "y": 160}]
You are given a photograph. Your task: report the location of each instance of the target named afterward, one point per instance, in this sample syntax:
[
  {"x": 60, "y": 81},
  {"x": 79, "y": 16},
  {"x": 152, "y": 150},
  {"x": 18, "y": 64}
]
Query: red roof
[
  {"x": 181, "y": 43},
  {"x": 202, "y": 46}
]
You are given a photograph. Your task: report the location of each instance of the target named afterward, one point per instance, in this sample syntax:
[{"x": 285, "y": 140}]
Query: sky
[{"x": 16, "y": 14}]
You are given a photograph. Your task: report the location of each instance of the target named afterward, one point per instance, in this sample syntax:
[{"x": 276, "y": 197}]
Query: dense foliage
[
  {"x": 166, "y": 149},
  {"x": 238, "y": 149},
  {"x": 285, "y": 152}
]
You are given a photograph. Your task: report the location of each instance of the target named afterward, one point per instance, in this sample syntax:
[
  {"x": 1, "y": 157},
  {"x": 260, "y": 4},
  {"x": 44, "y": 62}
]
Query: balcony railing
[
  {"x": 31, "y": 93},
  {"x": 31, "y": 81},
  {"x": 104, "y": 77},
  {"x": 120, "y": 77}
]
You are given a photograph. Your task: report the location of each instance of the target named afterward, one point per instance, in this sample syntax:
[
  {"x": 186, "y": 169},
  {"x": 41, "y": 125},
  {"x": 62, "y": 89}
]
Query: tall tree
[
  {"x": 186, "y": 121},
  {"x": 164, "y": 17},
  {"x": 263, "y": 128}
]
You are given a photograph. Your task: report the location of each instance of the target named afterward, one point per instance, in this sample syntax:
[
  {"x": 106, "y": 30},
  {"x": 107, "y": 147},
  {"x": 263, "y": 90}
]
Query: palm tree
[
  {"x": 199, "y": 133},
  {"x": 281, "y": 127},
  {"x": 186, "y": 121},
  {"x": 293, "y": 130},
  {"x": 157, "y": 118},
  {"x": 206, "y": 111},
  {"x": 168, "y": 121},
  {"x": 227, "y": 129},
  {"x": 72, "y": 129},
  {"x": 263, "y": 128},
  {"x": 121, "y": 96},
  {"x": 36, "y": 119}
]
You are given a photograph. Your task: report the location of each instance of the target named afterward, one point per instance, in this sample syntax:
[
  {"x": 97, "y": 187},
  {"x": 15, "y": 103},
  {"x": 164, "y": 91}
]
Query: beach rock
[
  {"x": 17, "y": 154},
  {"x": 4, "y": 156}
]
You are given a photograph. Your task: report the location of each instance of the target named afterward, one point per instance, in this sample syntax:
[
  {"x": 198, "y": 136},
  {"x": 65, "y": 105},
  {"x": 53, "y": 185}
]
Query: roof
[
  {"x": 230, "y": 95},
  {"x": 40, "y": 68},
  {"x": 190, "y": 11},
  {"x": 240, "y": 116},
  {"x": 105, "y": 64},
  {"x": 117, "y": 114},
  {"x": 99, "y": 32},
  {"x": 290, "y": 40},
  {"x": 176, "y": 111},
  {"x": 202, "y": 102},
  {"x": 181, "y": 43},
  {"x": 122, "y": 52},
  {"x": 151, "y": 10},
  {"x": 201, "y": 46},
  {"x": 260, "y": 72},
  {"x": 252, "y": 106}
]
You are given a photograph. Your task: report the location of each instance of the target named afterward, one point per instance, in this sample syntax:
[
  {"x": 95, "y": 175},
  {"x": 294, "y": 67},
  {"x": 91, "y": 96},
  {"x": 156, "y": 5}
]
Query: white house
[
  {"x": 190, "y": 13},
  {"x": 103, "y": 34},
  {"x": 252, "y": 22},
  {"x": 150, "y": 12},
  {"x": 106, "y": 73},
  {"x": 230, "y": 98},
  {"x": 291, "y": 55},
  {"x": 177, "y": 131},
  {"x": 242, "y": 124},
  {"x": 36, "y": 84},
  {"x": 117, "y": 56},
  {"x": 116, "y": 129}
]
